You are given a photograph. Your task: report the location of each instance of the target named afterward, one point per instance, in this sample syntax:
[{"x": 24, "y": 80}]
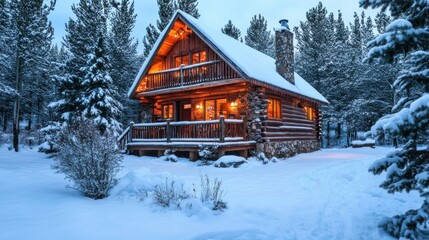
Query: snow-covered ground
[{"x": 322, "y": 195}]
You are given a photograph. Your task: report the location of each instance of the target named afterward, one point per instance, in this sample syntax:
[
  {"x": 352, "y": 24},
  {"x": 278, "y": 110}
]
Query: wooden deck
[{"x": 186, "y": 136}]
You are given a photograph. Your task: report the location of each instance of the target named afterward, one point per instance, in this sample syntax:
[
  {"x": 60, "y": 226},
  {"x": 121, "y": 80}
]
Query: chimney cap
[{"x": 283, "y": 23}]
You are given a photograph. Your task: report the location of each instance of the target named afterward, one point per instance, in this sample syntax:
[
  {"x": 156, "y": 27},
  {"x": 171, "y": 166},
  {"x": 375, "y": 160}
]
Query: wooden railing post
[
  {"x": 222, "y": 128},
  {"x": 167, "y": 131},
  {"x": 130, "y": 132},
  {"x": 181, "y": 74}
]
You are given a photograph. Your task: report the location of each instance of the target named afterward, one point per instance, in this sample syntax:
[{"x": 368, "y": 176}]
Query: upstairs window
[
  {"x": 196, "y": 57},
  {"x": 199, "y": 57},
  {"x": 181, "y": 60},
  {"x": 274, "y": 108}
]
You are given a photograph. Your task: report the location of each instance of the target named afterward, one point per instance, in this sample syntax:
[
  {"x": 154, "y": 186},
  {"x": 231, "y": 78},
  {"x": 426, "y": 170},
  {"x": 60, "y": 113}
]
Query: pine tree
[
  {"x": 33, "y": 36},
  {"x": 381, "y": 21},
  {"x": 165, "y": 12},
  {"x": 406, "y": 169},
  {"x": 258, "y": 37},
  {"x": 123, "y": 58},
  {"x": 188, "y": 6},
  {"x": 97, "y": 98},
  {"x": 232, "y": 31},
  {"x": 86, "y": 90},
  {"x": 149, "y": 39}
]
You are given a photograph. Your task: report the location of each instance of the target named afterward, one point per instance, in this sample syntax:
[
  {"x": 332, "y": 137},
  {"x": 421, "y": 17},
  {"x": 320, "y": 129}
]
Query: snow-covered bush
[
  {"x": 90, "y": 160},
  {"x": 229, "y": 161},
  {"x": 50, "y": 136},
  {"x": 212, "y": 194},
  {"x": 169, "y": 194},
  {"x": 208, "y": 152},
  {"x": 169, "y": 156},
  {"x": 261, "y": 157}
]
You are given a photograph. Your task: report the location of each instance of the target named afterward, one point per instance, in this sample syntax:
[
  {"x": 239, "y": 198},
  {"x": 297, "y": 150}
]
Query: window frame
[
  {"x": 276, "y": 109},
  {"x": 170, "y": 106},
  {"x": 216, "y": 110}
]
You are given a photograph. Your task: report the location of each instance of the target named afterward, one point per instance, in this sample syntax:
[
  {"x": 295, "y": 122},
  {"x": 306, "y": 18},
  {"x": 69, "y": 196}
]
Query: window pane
[
  {"x": 274, "y": 108},
  {"x": 185, "y": 60},
  {"x": 195, "y": 58},
  {"x": 167, "y": 111},
  {"x": 203, "y": 56},
  {"x": 178, "y": 61},
  {"x": 270, "y": 108},
  {"x": 221, "y": 107},
  {"x": 309, "y": 111},
  {"x": 210, "y": 113}
]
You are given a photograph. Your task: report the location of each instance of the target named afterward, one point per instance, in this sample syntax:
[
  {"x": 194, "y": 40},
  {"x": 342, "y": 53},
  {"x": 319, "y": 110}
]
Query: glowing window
[
  {"x": 274, "y": 108},
  {"x": 215, "y": 108},
  {"x": 167, "y": 111},
  {"x": 309, "y": 112},
  {"x": 199, "y": 57}
]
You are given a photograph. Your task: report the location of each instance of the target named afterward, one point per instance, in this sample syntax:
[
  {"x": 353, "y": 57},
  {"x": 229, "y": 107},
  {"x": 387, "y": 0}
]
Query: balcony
[{"x": 188, "y": 75}]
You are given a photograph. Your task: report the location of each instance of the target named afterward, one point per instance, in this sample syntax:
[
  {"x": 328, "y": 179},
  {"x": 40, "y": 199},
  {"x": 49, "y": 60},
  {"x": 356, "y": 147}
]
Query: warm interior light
[
  {"x": 179, "y": 33},
  {"x": 233, "y": 104},
  {"x": 199, "y": 106}
]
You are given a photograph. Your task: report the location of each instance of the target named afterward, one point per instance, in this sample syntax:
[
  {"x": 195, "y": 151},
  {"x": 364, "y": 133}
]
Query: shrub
[
  {"x": 211, "y": 193},
  {"x": 89, "y": 159},
  {"x": 168, "y": 194},
  {"x": 261, "y": 157},
  {"x": 208, "y": 152},
  {"x": 169, "y": 156}
]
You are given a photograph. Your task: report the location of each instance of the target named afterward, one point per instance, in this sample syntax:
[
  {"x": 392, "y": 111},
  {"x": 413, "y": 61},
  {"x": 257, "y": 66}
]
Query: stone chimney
[{"x": 285, "y": 64}]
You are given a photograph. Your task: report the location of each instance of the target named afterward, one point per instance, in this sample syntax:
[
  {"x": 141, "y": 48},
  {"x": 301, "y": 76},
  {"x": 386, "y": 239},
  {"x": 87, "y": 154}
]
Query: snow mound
[
  {"x": 229, "y": 161},
  {"x": 140, "y": 181}
]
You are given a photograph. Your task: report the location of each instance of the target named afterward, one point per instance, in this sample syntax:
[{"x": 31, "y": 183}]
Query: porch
[{"x": 228, "y": 135}]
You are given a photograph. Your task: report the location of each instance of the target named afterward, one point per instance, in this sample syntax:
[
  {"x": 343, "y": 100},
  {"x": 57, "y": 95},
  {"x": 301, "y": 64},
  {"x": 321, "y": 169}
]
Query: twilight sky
[{"x": 217, "y": 13}]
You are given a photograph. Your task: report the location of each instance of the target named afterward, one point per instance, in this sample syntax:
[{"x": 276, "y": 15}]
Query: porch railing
[
  {"x": 220, "y": 130},
  {"x": 188, "y": 75}
]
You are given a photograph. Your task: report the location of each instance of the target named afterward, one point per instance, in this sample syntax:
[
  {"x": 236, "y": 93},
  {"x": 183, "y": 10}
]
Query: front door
[{"x": 184, "y": 110}]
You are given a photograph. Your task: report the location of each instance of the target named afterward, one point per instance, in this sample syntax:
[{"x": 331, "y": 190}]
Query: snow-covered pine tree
[
  {"x": 165, "y": 12},
  {"x": 231, "y": 30},
  {"x": 188, "y": 6},
  {"x": 98, "y": 91},
  {"x": 7, "y": 90},
  {"x": 123, "y": 58},
  {"x": 406, "y": 169},
  {"x": 80, "y": 42},
  {"x": 258, "y": 37},
  {"x": 149, "y": 39},
  {"x": 312, "y": 40},
  {"x": 32, "y": 37}
]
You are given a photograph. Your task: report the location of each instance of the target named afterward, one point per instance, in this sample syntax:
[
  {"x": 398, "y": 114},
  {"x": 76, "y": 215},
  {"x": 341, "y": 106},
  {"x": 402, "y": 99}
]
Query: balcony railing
[
  {"x": 188, "y": 75},
  {"x": 220, "y": 130}
]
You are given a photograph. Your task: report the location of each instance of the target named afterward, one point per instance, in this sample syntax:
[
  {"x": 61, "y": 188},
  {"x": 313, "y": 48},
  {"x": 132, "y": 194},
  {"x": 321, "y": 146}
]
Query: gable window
[
  {"x": 167, "y": 111},
  {"x": 274, "y": 108},
  {"x": 309, "y": 113},
  {"x": 181, "y": 60},
  {"x": 199, "y": 57}
]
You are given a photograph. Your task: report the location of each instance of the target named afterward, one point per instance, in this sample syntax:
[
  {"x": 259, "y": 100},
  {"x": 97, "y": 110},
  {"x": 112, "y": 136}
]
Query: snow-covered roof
[{"x": 254, "y": 64}]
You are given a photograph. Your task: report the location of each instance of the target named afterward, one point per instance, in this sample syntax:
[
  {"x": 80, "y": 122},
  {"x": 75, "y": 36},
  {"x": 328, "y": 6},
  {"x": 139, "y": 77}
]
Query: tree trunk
[
  {"x": 4, "y": 121},
  {"x": 17, "y": 104},
  {"x": 328, "y": 142}
]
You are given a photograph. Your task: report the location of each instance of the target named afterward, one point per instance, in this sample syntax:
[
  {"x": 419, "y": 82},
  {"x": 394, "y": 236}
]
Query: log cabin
[{"x": 199, "y": 88}]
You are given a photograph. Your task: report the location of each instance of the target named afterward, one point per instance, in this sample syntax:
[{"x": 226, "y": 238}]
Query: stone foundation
[{"x": 287, "y": 149}]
